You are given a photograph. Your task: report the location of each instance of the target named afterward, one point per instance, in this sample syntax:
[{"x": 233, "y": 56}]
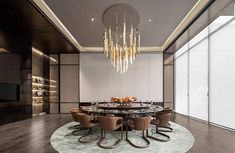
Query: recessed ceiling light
[
  {"x": 150, "y": 20},
  {"x": 92, "y": 19}
]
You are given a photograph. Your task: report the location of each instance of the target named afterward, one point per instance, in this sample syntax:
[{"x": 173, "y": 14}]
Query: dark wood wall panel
[
  {"x": 22, "y": 109},
  {"x": 23, "y": 27}
]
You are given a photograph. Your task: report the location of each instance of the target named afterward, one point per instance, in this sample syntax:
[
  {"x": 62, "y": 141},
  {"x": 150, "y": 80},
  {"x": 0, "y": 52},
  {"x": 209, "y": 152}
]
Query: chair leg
[
  {"x": 77, "y": 126},
  {"x": 137, "y": 146},
  {"x": 103, "y": 136},
  {"x": 80, "y": 139},
  {"x": 165, "y": 129},
  {"x": 159, "y": 139},
  {"x": 77, "y": 130}
]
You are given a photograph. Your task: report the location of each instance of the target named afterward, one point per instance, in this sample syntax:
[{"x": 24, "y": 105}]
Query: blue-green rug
[{"x": 64, "y": 142}]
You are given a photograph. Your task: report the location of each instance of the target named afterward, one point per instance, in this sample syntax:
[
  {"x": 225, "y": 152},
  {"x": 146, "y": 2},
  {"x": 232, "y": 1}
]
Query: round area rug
[{"x": 181, "y": 140}]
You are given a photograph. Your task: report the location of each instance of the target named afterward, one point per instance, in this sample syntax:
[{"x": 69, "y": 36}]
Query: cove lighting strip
[
  {"x": 185, "y": 22},
  {"x": 50, "y": 14},
  {"x": 41, "y": 54},
  {"x": 3, "y": 50}
]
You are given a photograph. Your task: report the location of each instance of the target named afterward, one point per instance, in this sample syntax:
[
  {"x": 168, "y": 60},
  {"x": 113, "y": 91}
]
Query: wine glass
[{"x": 151, "y": 102}]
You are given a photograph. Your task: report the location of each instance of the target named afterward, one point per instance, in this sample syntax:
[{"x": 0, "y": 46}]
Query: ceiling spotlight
[
  {"x": 150, "y": 20},
  {"x": 92, "y": 19}
]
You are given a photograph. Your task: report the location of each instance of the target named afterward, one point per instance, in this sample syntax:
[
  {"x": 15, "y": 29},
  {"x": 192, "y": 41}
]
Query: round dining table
[{"x": 122, "y": 109}]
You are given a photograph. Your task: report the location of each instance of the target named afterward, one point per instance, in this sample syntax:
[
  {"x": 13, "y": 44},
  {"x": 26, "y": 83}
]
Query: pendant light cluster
[{"x": 121, "y": 36}]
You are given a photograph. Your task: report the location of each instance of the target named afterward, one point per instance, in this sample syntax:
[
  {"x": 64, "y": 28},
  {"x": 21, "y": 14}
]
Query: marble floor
[{"x": 63, "y": 141}]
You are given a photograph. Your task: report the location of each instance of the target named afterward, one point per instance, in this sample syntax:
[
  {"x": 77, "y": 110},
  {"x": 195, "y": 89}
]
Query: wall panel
[
  {"x": 181, "y": 84},
  {"x": 69, "y": 82},
  {"x": 198, "y": 80},
  {"x": 100, "y": 81},
  {"x": 222, "y": 76}
]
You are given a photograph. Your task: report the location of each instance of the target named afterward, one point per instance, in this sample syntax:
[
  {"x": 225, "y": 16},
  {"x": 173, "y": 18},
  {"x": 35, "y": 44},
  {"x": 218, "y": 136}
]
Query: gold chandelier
[{"x": 121, "y": 36}]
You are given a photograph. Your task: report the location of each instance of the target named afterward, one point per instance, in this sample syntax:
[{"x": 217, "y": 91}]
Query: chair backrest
[
  {"x": 74, "y": 112},
  {"x": 169, "y": 109},
  {"x": 77, "y": 109},
  {"x": 109, "y": 122},
  {"x": 164, "y": 117},
  {"x": 165, "y": 111},
  {"x": 141, "y": 123},
  {"x": 84, "y": 120}
]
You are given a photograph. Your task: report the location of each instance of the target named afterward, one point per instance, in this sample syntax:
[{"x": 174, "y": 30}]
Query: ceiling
[
  {"x": 76, "y": 15},
  {"x": 24, "y": 24}
]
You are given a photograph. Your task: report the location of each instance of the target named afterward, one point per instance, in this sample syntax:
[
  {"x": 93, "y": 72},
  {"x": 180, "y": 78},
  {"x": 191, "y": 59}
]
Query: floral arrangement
[{"x": 124, "y": 99}]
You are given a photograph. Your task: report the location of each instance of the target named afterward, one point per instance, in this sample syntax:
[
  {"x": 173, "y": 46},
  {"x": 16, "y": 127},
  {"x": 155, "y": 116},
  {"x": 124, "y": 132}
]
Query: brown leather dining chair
[
  {"x": 161, "y": 120},
  {"x": 140, "y": 124},
  {"x": 110, "y": 123},
  {"x": 86, "y": 122},
  {"x": 74, "y": 112},
  {"x": 164, "y": 124}
]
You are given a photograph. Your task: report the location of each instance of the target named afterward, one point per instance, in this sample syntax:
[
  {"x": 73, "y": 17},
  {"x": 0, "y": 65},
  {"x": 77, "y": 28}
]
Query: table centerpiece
[{"x": 124, "y": 101}]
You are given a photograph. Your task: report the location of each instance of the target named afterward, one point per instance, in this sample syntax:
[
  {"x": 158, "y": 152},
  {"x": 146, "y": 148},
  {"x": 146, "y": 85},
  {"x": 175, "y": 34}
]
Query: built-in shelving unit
[{"x": 42, "y": 91}]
